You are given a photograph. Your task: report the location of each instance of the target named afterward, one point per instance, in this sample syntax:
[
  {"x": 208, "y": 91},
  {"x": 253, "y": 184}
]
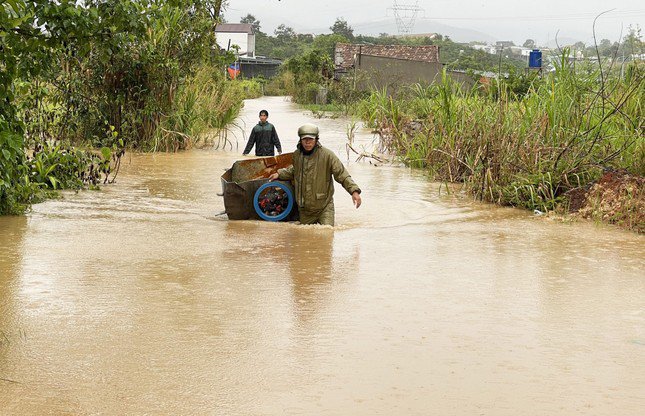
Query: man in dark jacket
[
  {"x": 311, "y": 173},
  {"x": 264, "y": 137}
]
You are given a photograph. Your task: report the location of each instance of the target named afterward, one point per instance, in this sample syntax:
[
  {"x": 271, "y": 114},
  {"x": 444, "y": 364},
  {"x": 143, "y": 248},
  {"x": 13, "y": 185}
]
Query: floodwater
[{"x": 140, "y": 299}]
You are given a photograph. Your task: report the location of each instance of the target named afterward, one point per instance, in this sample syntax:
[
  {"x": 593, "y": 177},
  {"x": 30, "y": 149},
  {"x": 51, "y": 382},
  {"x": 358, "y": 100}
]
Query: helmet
[{"x": 308, "y": 130}]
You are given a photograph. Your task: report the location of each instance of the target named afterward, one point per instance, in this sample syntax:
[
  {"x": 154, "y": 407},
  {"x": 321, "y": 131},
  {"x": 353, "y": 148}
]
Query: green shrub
[{"x": 526, "y": 144}]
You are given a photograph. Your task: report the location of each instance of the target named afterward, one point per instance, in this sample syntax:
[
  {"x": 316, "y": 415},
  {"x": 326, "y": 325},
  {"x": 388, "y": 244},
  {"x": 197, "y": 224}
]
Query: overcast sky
[{"x": 514, "y": 20}]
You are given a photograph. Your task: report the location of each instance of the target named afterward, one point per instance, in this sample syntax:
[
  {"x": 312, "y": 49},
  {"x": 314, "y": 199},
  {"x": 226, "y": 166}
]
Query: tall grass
[
  {"x": 205, "y": 109},
  {"x": 524, "y": 150}
]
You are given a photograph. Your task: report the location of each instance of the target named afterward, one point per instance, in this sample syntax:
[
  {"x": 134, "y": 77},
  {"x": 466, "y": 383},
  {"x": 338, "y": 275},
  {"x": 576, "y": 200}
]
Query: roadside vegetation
[
  {"x": 526, "y": 148},
  {"x": 82, "y": 81}
]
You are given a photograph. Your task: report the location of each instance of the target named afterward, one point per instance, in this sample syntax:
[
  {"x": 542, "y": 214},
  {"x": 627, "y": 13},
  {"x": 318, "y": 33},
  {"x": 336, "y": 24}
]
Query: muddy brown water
[{"x": 139, "y": 299}]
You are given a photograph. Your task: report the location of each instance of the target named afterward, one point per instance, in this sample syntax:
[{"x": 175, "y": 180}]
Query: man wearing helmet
[
  {"x": 264, "y": 137},
  {"x": 311, "y": 173}
]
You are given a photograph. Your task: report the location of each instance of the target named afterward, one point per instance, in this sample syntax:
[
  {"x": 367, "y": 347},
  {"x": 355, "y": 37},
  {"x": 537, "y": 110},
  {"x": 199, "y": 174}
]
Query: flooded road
[{"x": 139, "y": 299}]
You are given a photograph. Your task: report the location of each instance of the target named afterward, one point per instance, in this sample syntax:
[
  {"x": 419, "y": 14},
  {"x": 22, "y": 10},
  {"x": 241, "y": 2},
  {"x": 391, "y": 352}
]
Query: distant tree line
[
  {"x": 631, "y": 44},
  {"x": 287, "y": 43}
]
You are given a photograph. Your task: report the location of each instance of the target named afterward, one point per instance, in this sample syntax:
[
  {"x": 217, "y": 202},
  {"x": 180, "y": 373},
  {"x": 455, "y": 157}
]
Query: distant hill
[
  {"x": 388, "y": 25},
  {"x": 561, "y": 41}
]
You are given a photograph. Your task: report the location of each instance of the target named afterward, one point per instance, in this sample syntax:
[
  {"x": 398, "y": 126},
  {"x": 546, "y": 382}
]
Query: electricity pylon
[{"x": 405, "y": 15}]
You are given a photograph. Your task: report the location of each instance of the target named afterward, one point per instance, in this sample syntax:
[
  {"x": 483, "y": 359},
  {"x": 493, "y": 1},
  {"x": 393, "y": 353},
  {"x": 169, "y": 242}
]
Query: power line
[{"x": 405, "y": 15}]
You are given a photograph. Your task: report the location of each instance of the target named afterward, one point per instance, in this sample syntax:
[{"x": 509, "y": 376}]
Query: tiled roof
[
  {"x": 234, "y": 28},
  {"x": 344, "y": 56}
]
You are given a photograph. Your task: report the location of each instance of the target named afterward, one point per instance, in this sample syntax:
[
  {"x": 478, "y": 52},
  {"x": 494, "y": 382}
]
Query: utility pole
[
  {"x": 499, "y": 70},
  {"x": 405, "y": 15}
]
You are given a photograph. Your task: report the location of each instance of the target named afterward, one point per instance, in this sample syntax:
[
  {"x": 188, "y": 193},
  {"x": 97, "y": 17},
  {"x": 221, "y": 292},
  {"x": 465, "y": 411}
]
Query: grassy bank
[
  {"x": 38, "y": 164},
  {"x": 526, "y": 148},
  {"x": 81, "y": 82}
]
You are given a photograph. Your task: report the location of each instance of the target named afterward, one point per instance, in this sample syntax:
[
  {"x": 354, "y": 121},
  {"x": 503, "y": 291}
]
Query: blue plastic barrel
[
  {"x": 535, "y": 58},
  {"x": 284, "y": 213}
]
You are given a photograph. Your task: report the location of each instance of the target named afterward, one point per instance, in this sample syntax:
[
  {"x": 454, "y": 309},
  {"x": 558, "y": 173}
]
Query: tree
[
  {"x": 249, "y": 18},
  {"x": 341, "y": 27},
  {"x": 607, "y": 49},
  {"x": 633, "y": 43},
  {"x": 579, "y": 47},
  {"x": 328, "y": 43},
  {"x": 284, "y": 32},
  {"x": 215, "y": 9},
  {"x": 529, "y": 43}
]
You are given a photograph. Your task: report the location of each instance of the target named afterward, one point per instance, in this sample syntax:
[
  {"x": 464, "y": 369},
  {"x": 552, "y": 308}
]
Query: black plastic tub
[{"x": 244, "y": 178}]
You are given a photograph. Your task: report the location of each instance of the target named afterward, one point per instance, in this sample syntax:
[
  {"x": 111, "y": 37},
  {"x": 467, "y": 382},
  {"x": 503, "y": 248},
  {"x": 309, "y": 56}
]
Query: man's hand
[
  {"x": 274, "y": 176},
  {"x": 356, "y": 199}
]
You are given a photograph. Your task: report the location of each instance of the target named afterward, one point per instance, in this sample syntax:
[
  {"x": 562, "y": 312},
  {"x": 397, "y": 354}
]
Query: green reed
[
  {"x": 518, "y": 149},
  {"x": 206, "y": 107}
]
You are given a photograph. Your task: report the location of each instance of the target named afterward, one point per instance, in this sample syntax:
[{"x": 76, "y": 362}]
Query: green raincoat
[{"x": 311, "y": 176}]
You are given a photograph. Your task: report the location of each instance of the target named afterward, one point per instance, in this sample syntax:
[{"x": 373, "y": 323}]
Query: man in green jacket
[
  {"x": 264, "y": 137},
  {"x": 311, "y": 173}
]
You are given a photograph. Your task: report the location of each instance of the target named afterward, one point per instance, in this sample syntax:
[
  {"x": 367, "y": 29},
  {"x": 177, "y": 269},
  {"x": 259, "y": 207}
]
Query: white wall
[
  {"x": 245, "y": 41},
  {"x": 251, "y": 49}
]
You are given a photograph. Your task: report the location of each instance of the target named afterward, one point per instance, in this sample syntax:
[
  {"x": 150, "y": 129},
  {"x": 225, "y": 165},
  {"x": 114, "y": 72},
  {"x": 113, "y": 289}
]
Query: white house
[
  {"x": 486, "y": 48},
  {"x": 241, "y": 34}
]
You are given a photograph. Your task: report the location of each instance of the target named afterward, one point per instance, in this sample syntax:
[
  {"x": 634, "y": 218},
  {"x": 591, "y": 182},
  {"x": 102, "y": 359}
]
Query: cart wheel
[{"x": 273, "y": 201}]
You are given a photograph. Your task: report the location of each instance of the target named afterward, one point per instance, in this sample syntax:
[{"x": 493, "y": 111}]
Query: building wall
[
  {"x": 462, "y": 78},
  {"x": 251, "y": 49},
  {"x": 250, "y": 69},
  {"x": 344, "y": 53},
  {"x": 379, "y": 72},
  {"x": 245, "y": 41}
]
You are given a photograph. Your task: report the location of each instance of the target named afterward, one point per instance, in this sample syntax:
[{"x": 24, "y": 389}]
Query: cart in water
[{"x": 249, "y": 195}]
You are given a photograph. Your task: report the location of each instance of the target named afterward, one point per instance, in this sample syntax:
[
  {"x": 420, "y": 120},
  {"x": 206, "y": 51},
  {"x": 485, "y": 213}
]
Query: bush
[
  {"x": 518, "y": 147},
  {"x": 252, "y": 88},
  {"x": 283, "y": 84}
]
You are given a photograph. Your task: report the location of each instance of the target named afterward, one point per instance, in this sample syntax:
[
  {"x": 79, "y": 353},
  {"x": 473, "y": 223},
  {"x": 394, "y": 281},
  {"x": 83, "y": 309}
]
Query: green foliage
[
  {"x": 206, "y": 104},
  {"x": 344, "y": 93},
  {"x": 253, "y": 88},
  {"x": 14, "y": 191},
  {"x": 282, "y": 84},
  {"x": 631, "y": 48},
  {"x": 340, "y": 27},
  {"x": 310, "y": 72},
  {"x": 62, "y": 166},
  {"x": 521, "y": 145},
  {"x": 633, "y": 43},
  {"x": 516, "y": 85},
  {"x": 106, "y": 63},
  {"x": 285, "y": 44},
  {"x": 110, "y": 73},
  {"x": 49, "y": 167},
  {"x": 250, "y": 19},
  {"x": 327, "y": 43}
]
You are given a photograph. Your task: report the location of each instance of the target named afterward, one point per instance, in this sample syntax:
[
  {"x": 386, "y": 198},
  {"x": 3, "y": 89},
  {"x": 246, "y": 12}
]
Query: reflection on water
[
  {"x": 310, "y": 266},
  {"x": 139, "y": 299}
]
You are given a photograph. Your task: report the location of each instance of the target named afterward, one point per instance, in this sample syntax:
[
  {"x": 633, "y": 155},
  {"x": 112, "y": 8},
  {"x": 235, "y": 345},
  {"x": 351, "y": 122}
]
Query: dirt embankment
[{"x": 618, "y": 197}]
